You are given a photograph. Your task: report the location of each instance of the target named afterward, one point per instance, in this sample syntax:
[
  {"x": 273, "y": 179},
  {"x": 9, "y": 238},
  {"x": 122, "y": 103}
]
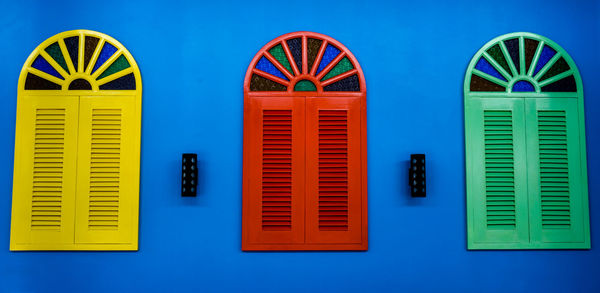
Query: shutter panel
[
  {"x": 496, "y": 159},
  {"x": 108, "y": 174},
  {"x": 559, "y": 210},
  {"x": 333, "y": 164},
  {"x": 44, "y": 175},
  {"x": 273, "y": 172}
]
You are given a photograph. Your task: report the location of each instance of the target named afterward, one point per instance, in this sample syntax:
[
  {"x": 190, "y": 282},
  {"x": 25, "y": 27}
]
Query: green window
[{"x": 525, "y": 147}]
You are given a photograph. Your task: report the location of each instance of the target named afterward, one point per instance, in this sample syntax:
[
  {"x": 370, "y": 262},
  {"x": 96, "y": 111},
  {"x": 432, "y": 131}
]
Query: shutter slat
[
  {"x": 333, "y": 170},
  {"x": 105, "y": 160},
  {"x": 49, "y": 137},
  {"x": 277, "y": 170},
  {"x": 499, "y": 169},
  {"x": 554, "y": 173}
]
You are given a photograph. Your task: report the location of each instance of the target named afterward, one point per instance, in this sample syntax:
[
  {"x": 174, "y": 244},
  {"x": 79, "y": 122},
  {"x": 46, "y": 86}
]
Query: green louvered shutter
[
  {"x": 498, "y": 213},
  {"x": 558, "y": 199}
]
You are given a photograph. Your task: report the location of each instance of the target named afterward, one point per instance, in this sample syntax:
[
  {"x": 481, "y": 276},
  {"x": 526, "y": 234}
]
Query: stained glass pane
[
  {"x": 498, "y": 56},
  {"x": 330, "y": 53},
  {"x": 72, "y": 44},
  {"x": 305, "y": 86},
  {"x": 343, "y": 66},
  {"x": 312, "y": 48},
  {"x": 545, "y": 56},
  {"x": 530, "y": 48},
  {"x": 34, "y": 82},
  {"x": 265, "y": 65},
  {"x": 480, "y": 84},
  {"x": 279, "y": 54},
  {"x": 557, "y": 68},
  {"x": 41, "y": 64},
  {"x": 523, "y": 86},
  {"x": 80, "y": 84},
  {"x": 90, "y": 47},
  {"x": 295, "y": 46},
  {"x": 348, "y": 84},
  {"x": 261, "y": 84},
  {"x": 126, "y": 82},
  {"x": 512, "y": 46},
  {"x": 566, "y": 84},
  {"x": 484, "y": 66},
  {"x": 107, "y": 51},
  {"x": 56, "y": 54},
  {"x": 119, "y": 64}
]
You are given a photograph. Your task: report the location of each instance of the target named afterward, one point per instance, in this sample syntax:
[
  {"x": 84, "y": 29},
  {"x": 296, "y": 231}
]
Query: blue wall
[{"x": 193, "y": 57}]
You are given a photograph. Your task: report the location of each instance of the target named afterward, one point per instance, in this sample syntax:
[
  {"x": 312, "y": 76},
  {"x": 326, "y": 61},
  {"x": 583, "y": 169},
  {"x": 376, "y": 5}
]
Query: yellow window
[{"x": 77, "y": 146}]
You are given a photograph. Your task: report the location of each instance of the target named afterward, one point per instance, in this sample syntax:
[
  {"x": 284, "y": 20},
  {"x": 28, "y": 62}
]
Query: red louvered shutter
[
  {"x": 274, "y": 171},
  {"x": 333, "y": 168}
]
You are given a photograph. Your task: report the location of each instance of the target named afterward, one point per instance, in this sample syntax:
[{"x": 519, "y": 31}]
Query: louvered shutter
[
  {"x": 44, "y": 175},
  {"x": 107, "y": 179},
  {"x": 496, "y": 159},
  {"x": 559, "y": 212},
  {"x": 274, "y": 170},
  {"x": 333, "y": 168}
]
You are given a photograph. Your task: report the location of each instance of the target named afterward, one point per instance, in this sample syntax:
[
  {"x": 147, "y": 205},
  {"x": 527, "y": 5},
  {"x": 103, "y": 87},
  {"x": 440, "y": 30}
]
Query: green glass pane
[
  {"x": 279, "y": 54},
  {"x": 119, "y": 64},
  {"x": 305, "y": 86},
  {"x": 54, "y": 51},
  {"x": 559, "y": 67},
  {"x": 496, "y": 53},
  {"x": 343, "y": 66}
]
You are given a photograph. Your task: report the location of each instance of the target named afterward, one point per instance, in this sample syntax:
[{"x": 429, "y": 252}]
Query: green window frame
[{"x": 525, "y": 147}]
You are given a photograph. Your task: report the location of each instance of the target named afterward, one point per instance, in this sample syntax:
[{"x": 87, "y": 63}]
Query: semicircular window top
[
  {"x": 525, "y": 147},
  {"x": 80, "y": 60},
  {"x": 305, "y": 160},
  {"x": 522, "y": 63},
  {"x": 305, "y": 63},
  {"x": 77, "y": 146}
]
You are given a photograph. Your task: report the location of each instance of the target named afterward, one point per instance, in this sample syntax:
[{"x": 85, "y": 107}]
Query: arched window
[
  {"x": 77, "y": 146},
  {"x": 525, "y": 147},
  {"x": 305, "y": 156}
]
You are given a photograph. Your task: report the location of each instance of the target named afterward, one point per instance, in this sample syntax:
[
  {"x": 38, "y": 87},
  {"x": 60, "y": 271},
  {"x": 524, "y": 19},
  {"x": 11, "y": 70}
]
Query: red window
[{"x": 305, "y": 155}]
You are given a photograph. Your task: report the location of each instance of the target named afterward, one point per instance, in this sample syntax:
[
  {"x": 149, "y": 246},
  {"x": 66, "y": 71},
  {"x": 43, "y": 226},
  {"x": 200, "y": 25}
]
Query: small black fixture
[
  {"x": 416, "y": 175},
  {"x": 189, "y": 171}
]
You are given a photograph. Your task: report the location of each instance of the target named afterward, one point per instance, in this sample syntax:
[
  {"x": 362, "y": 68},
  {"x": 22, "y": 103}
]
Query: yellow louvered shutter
[
  {"x": 107, "y": 178},
  {"x": 44, "y": 175}
]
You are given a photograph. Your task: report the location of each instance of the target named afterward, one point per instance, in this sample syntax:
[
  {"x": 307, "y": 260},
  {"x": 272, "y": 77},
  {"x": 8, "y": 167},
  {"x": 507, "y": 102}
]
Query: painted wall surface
[{"x": 193, "y": 56}]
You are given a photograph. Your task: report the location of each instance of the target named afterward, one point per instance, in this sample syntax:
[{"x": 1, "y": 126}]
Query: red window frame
[{"x": 303, "y": 221}]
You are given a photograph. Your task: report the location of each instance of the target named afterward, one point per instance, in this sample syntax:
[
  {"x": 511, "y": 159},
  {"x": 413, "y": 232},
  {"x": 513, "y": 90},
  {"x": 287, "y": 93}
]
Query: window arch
[
  {"x": 77, "y": 145},
  {"x": 525, "y": 147},
  {"x": 305, "y": 166},
  {"x": 304, "y": 61}
]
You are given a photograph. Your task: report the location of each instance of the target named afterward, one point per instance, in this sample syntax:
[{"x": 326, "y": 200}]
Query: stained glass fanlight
[
  {"x": 305, "y": 62},
  {"x": 522, "y": 63},
  {"x": 80, "y": 60}
]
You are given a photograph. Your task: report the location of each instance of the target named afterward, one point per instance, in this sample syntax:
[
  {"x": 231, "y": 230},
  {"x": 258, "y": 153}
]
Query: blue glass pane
[
  {"x": 523, "y": 86},
  {"x": 41, "y": 64},
  {"x": 484, "y": 66},
  {"x": 330, "y": 53},
  {"x": 545, "y": 56},
  {"x": 107, "y": 51},
  {"x": 265, "y": 65}
]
